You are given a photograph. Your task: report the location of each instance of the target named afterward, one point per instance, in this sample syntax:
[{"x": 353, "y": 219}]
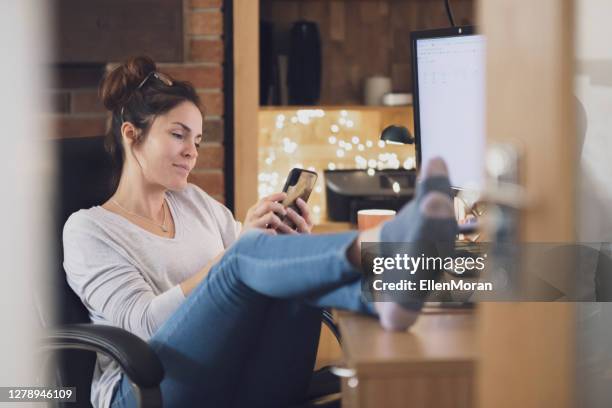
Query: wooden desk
[
  {"x": 431, "y": 365},
  {"x": 329, "y": 352},
  {"x": 331, "y": 227}
]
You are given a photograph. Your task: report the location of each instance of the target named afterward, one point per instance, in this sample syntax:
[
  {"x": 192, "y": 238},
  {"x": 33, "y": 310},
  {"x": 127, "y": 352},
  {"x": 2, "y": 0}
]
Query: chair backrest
[
  {"x": 84, "y": 180},
  {"x": 84, "y": 174}
]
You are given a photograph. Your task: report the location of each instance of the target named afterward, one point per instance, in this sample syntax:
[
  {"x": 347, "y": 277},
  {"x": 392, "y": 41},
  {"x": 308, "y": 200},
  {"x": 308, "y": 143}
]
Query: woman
[{"x": 226, "y": 327}]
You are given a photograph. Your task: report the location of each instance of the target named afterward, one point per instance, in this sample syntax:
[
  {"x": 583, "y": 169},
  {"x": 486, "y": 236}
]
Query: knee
[
  {"x": 248, "y": 240},
  {"x": 243, "y": 246}
]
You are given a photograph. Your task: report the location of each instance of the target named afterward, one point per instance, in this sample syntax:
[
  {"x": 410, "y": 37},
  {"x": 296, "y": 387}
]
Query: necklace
[{"x": 162, "y": 226}]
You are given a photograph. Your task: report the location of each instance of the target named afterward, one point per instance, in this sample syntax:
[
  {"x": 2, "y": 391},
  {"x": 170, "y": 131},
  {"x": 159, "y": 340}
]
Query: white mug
[{"x": 375, "y": 88}]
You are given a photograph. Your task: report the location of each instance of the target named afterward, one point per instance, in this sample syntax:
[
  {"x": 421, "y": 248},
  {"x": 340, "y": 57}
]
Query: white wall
[
  {"x": 24, "y": 203},
  {"x": 594, "y": 89},
  {"x": 593, "y": 29}
]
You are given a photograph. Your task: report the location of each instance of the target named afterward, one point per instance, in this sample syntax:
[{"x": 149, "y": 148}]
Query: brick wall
[{"x": 77, "y": 110}]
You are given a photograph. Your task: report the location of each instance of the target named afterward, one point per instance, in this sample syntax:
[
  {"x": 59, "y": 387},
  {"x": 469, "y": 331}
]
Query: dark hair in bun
[{"x": 121, "y": 95}]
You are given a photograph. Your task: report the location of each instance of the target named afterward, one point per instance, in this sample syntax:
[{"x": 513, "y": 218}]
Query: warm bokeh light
[{"x": 327, "y": 138}]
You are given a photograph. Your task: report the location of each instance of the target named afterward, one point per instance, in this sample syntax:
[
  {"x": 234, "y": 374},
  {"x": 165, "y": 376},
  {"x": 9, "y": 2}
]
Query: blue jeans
[{"x": 247, "y": 335}]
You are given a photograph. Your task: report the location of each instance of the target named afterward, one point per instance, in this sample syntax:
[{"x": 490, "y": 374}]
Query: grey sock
[
  {"x": 424, "y": 235},
  {"x": 396, "y": 230}
]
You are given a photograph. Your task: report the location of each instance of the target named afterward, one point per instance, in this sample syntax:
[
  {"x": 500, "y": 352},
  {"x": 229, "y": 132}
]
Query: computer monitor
[{"x": 449, "y": 101}]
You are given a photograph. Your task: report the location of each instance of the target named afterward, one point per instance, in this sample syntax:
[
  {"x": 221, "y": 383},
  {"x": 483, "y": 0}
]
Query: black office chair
[{"x": 84, "y": 170}]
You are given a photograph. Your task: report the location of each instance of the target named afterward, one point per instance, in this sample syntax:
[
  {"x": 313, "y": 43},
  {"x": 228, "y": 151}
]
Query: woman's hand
[
  {"x": 303, "y": 223},
  {"x": 266, "y": 214}
]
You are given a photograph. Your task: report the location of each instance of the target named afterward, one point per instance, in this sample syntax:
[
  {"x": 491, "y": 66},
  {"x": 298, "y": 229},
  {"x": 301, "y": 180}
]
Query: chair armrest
[
  {"x": 133, "y": 354},
  {"x": 328, "y": 319}
]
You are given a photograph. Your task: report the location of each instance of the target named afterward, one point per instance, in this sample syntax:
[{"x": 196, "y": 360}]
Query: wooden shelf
[{"x": 337, "y": 107}]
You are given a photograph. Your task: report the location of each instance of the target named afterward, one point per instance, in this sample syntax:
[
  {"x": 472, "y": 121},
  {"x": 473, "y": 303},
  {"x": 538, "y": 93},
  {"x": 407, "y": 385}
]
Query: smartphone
[{"x": 299, "y": 184}]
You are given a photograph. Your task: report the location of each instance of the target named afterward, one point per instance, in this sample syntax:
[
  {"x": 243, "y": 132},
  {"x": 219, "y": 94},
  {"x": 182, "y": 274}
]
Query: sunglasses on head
[
  {"x": 163, "y": 78},
  {"x": 158, "y": 75}
]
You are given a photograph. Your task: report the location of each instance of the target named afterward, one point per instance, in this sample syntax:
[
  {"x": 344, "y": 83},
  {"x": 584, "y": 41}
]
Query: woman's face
[{"x": 170, "y": 149}]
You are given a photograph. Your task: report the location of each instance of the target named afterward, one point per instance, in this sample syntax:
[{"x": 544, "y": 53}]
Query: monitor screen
[{"x": 449, "y": 95}]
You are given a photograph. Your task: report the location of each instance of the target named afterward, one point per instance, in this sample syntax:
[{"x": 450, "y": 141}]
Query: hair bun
[{"x": 119, "y": 83}]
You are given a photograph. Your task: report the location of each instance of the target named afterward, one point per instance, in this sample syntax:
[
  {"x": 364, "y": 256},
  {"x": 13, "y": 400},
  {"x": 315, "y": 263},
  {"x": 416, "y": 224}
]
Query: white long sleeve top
[{"x": 129, "y": 278}]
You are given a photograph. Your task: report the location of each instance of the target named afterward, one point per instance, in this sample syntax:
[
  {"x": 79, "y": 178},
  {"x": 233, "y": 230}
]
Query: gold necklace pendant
[{"x": 161, "y": 226}]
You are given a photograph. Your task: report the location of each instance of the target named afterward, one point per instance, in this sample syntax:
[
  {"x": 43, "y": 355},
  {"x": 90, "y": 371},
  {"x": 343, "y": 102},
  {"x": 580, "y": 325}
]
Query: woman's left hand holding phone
[
  {"x": 266, "y": 214},
  {"x": 302, "y": 221}
]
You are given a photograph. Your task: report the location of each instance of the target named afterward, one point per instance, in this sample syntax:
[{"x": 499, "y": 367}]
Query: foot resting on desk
[
  {"x": 426, "y": 222},
  {"x": 434, "y": 183}
]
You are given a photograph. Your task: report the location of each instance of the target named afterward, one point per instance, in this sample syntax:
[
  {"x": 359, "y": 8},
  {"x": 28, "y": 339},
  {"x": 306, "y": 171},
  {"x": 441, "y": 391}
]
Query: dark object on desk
[
  {"x": 69, "y": 337},
  {"x": 397, "y": 135},
  {"x": 269, "y": 76},
  {"x": 349, "y": 191},
  {"x": 304, "y": 72},
  {"x": 448, "y": 305}
]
